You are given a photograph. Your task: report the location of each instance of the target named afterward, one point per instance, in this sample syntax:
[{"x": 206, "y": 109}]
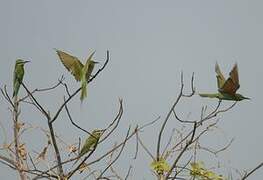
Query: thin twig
[
  {"x": 192, "y": 88},
  {"x": 167, "y": 117},
  {"x": 252, "y": 171},
  {"x": 145, "y": 148},
  {"x": 36, "y": 102},
  {"x": 117, "y": 157},
  {"x": 115, "y": 121},
  {"x": 71, "y": 120},
  {"x": 181, "y": 94},
  {"x": 182, "y": 152},
  {"x": 6, "y": 96},
  {"x": 107, "y": 153},
  {"x": 43, "y": 89}
]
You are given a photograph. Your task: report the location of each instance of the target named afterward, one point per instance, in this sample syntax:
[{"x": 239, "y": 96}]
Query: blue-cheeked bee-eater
[
  {"x": 18, "y": 75},
  {"x": 90, "y": 143},
  {"x": 78, "y": 70},
  {"x": 227, "y": 88}
]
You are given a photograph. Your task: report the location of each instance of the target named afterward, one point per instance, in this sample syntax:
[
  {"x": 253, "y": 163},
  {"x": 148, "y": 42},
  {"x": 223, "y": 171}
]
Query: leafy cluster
[{"x": 199, "y": 172}]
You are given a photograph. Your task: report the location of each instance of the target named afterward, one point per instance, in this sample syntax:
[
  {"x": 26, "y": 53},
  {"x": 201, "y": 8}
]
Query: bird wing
[
  {"x": 87, "y": 145},
  {"x": 232, "y": 83},
  {"x": 220, "y": 77},
  {"x": 89, "y": 66},
  {"x": 90, "y": 143},
  {"x": 85, "y": 76},
  {"x": 234, "y": 75},
  {"x": 72, "y": 64},
  {"x": 17, "y": 78}
]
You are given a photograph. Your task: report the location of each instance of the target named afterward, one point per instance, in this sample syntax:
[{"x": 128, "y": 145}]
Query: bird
[
  {"x": 80, "y": 71},
  {"x": 90, "y": 143},
  {"x": 18, "y": 75},
  {"x": 226, "y": 88}
]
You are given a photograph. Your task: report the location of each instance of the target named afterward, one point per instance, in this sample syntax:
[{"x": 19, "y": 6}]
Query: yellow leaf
[
  {"x": 199, "y": 171},
  {"x": 82, "y": 167},
  {"x": 160, "y": 166},
  {"x": 22, "y": 151}
]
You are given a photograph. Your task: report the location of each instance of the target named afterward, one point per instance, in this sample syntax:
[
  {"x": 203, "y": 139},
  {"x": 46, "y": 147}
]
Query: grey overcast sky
[{"x": 150, "y": 43}]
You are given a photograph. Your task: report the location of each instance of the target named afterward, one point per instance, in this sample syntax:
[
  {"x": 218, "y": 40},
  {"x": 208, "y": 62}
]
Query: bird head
[
  {"x": 98, "y": 131},
  {"x": 21, "y": 62},
  {"x": 241, "y": 97}
]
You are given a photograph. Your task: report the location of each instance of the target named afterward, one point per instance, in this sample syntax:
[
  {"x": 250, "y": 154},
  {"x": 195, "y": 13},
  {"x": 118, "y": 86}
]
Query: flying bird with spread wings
[
  {"x": 227, "y": 87},
  {"x": 80, "y": 71}
]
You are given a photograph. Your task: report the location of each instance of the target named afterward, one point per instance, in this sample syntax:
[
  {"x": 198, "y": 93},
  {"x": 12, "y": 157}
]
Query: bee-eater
[
  {"x": 18, "y": 75},
  {"x": 91, "y": 141},
  {"x": 78, "y": 70},
  {"x": 227, "y": 88}
]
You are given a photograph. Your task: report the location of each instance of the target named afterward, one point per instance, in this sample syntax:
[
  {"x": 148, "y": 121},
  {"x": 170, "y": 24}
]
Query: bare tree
[{"x": 176, "y": 156}]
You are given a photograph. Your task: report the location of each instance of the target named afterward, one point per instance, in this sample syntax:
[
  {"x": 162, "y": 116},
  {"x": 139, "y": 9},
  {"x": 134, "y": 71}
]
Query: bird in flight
[{"x": 226, "y": 87}]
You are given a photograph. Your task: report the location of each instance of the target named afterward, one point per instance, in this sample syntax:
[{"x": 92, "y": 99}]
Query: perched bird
[
  {"x": 90, "y": 143},
  {"x": 227, "y": 88},
  {"x": 78, "y": 70},
  {"x": 18, "y": 75}
]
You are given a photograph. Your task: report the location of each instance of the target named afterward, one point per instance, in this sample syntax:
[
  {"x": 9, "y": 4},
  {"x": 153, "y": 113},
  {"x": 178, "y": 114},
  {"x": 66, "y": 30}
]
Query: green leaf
[{"x": 160, "y": 166}]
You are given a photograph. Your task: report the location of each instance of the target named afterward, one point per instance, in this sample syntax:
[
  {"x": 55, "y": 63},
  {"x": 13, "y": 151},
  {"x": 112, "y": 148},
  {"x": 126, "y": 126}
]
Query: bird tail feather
[
  {"x": 83, "y": 89},
  {"x": 207, "y": 95}
]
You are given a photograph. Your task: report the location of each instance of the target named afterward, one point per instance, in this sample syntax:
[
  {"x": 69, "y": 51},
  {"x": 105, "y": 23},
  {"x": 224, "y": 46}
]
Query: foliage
[{"x": 199, "y": 171}]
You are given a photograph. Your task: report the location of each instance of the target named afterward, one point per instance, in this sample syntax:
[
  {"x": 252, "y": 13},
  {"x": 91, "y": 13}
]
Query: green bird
[
  {"x": 227, "y": 88},
  {"x": 91, "y": 141},
  {"x": 78, "y": 70},
  {"x": 18, "y": 75}
]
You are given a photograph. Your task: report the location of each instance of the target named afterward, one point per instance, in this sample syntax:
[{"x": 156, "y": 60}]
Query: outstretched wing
[
  {"x": 232, "y": 83},
  {"x": 89, "y": 66},
  {"x": 72, "y": 64},
  {"x": 220, "y": 77},
  {"x": 86, "y": 72},
  {"x": 234, "y": 75}
]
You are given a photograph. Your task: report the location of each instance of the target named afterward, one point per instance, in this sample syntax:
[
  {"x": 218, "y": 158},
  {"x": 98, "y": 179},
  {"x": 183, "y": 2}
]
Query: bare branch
[
  {"x": 117, "y": 157},
  {"x": 192, "y": 87},
  {"x": 36, "y": 102},
  {"x": 6, "y": 96},
  {"x": 54, "y": 142},
  {"x": 71, "y": 120},
  {"x": 172, "y": 110},
  {"x": 166, "y": 119},
  {"x": 182, "y": 152},
  {"x": 128, "y": 173},
  {"x": 8, "y": 162},
  {"x": 252, "y": 171},
  {"x": 115, "y": 121},
  {"x": 145, "y": 148},
  {"x": 60, "y": 81}
]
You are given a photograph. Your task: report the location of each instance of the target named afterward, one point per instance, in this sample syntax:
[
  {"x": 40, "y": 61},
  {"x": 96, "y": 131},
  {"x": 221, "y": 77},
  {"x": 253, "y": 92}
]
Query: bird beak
[
  {"x": 26, "y": 62},
  {"x": 96, "y": 62}
]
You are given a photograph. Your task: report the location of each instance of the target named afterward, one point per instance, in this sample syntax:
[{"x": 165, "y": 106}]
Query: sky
[{"x": 150, "y": 43}]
